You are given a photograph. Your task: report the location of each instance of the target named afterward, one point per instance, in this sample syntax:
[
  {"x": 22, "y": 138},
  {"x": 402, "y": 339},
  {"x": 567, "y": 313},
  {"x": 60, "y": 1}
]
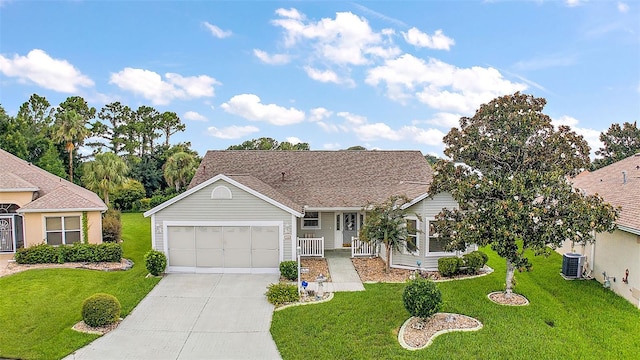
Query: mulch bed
[
  {"x": 316, "y": 267},
  {"x": 501, "y": 298},
  {"x": 373, "y": 270},
  {"x": 13, "y": 267},
  {"x": 417, "y": 333}
]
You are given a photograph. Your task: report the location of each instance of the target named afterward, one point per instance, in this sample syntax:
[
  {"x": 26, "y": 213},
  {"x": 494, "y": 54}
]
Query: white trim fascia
[
  {"x": 330, "y": 209},
  {"x": 629, "y": 229},
  {"x": 294, "y": 237},
  {"x": 230, "y": 181},
  {"x": 414, "y": 201},
  {"x": 21, "y": 211},
  {"x": 153, "y": 232},
  {"x": 202, "y": 270},
  {"x": 19, "y": 190}
]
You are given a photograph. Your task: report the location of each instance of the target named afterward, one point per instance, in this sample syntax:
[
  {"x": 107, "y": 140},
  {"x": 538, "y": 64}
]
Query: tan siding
[
  {"x": 35, "y": 231},
  {"x": 242, "y": 207},
  {"x": 94, "y": 222},
  {"x": 327, "y": 229},
  {"x": 18, "y": 198},
  {"x": 615, "y": 253}
]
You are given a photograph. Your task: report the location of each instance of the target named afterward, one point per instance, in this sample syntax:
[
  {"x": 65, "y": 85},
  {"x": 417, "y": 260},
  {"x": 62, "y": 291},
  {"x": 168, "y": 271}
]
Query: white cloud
[
  {"x": 249, "y": 106},
  {"x": 346, "y": 40},
  {"x": 438, "y": 40},
  {"x": 232, "y": 132},
  {"x": 623, "y": 7},
  {"x": 293, "y": 140},
  {"x": 353, "y": 119},
  {"x": 573, "y": 3},
  {"x": 275, "y": 59},
  {"x": 327, "y": 76},
  {"x": 194, "y": 116},
  {"x": 544, "y": 62},
  {"x": 216, "y": 31},
  {"x": 377, "y": 131},
  {"x": 319, "y": 113},
  {"x": 151, "y": 86},
  {"x": 440, "y": 85},
  {"x": 590, "y": 135},
  {"x": 43, "y": 70},
  {"x": 331, "y": 146},
  {"x": 443, "y": 119}
]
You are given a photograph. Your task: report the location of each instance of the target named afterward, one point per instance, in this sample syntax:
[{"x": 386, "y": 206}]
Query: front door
[
  {"x": 350, "y": 228},
  {"x": 6, "y": 234}
]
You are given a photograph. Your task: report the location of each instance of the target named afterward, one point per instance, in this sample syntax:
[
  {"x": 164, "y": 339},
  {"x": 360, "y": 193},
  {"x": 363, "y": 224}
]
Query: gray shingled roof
[
  {"x": 608, "y": 183},
  {"x": 324, "y": 179},
  {"x": 54, "y": 193}
]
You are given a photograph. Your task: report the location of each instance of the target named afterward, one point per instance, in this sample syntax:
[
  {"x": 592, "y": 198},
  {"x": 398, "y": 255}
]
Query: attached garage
[{"x": 223, "y": 247}]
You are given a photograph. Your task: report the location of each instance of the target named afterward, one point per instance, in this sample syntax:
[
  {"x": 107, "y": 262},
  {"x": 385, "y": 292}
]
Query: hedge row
[
  {"x": 49, "y": 254},
  {"x": 470, "y": 263}
]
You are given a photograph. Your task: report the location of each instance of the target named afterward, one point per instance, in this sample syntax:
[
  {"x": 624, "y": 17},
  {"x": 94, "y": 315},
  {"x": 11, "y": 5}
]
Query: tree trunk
[
  {"x": 388, "y": 248},
  {"x": 70, "y": 151},
  {"x": 509, "y": 280}
]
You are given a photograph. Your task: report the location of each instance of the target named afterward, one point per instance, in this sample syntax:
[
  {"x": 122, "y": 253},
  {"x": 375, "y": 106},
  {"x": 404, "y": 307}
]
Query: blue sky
[{"x": 385, "y": 75}]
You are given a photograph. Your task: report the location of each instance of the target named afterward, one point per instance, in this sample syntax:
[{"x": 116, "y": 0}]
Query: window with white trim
[
  {"x": 61, "y": 230},
  {"x": 411, "y": 245},
  {"x": 435, "y": 244},
  {"x": 311, "y": 220}
]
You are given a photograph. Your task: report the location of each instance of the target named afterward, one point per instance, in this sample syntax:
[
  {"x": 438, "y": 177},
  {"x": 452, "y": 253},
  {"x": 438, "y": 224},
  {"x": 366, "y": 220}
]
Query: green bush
[
  {"x": 282, "y": 293},
  {"x": 422, "y": 298},
  {"x": 130, "y": 193},
  {"x": 39, "y": 254},
  {"x": 100, "y": 310},
  {"x": 449, "y": 266},
  {"x": 142, "y": 205},
  {"x": 485, "y": 257},
  {"x": 289, "y": 269},
  {"x": 111, "y": 226},
  {"x": 473, "y": 261},
  {"x": 155, "y": 261}
]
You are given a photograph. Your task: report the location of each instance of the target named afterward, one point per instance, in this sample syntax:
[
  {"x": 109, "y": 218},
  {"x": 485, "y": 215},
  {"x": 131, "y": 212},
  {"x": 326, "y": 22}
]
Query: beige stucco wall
[
  {"x": 614, "y": 253},
  {"x": 35, "y": 232},
  {"x": 18, "y": 198}
]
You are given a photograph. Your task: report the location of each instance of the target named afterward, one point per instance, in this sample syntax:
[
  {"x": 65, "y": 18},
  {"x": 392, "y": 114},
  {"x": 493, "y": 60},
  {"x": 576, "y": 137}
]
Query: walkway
[
  {"x": 194, "y": 316},
  {"x": 343, "y": 275}
]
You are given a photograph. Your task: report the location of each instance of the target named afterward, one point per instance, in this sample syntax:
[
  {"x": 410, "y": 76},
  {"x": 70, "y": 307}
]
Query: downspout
[{"x": 593, "y": 253}]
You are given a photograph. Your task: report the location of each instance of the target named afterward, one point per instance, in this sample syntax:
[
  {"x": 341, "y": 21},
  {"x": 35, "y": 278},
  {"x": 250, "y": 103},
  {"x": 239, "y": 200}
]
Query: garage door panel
[
  {"x": 182, "y": 257},
  {"x": 181, "y": 237},
  {"x": 265, "y": 237},
  {"x": 210, "y": 258},
  {"x": 209, "y": 237},
  {"x": 237, "y": 258},
  {"x": 237, "y": 237},
  {"x": 264, "y": 258}
]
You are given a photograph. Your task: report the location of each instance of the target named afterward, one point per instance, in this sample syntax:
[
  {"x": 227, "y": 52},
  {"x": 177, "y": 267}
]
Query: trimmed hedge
[
  {"x": 473, "y": 261},
  {"x": 289, "y": 269},
  {"x": 422, "y": 298},
  {"x": 282, "y": 293},
  {"x": 449, "y": 266},
  {"x": 155, "y": 261},
  {"x": 100, "y": 310},
  {"x": 48, "y": 254}
]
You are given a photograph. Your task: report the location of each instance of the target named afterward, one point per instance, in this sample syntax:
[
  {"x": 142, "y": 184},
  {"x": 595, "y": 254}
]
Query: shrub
[
  {"x": 289, "y": 269},
  {"x": 449, "y": 266},
  {"x": 111, "y": 226},
  {"x": 100, "y": 310},
  {"x": 485, "y": 257},
  {"x": 142, "y": 205},
  {"x": 422, "y": 298},
  {"x": 282, "y": 293},
  {"x": 473, "y": 261},
  {"x": 130, "y": 193},
  {"x": 39, "y": 254},
  {"x": 155, "y": 261}
]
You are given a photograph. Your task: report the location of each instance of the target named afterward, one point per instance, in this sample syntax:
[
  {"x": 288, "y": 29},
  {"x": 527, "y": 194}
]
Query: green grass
[
  {"x": 589, "y": 322},
  {"x": 39, "y": 307}
]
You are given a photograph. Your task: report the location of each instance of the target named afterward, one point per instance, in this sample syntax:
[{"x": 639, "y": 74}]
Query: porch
[{"x": 316, "y": 247}]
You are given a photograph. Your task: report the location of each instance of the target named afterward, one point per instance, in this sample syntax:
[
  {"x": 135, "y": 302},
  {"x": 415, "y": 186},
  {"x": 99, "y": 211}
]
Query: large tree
[
  {"x": 112, "y": 127},
  {"x": 620, "y": 142},
  {"x": 70, "y": 129},
  {"x": 105, "y": 174},
  {"x": 385, "y": 224},
  {"x": 513, "y": 189},
  {"x": 179, "y": 169},
  {"x": 267, "y": 143},
  {"x": 170, "y": 124}
]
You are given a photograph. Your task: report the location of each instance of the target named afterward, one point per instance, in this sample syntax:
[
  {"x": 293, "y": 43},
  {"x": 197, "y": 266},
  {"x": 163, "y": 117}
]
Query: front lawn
[
  {"x": 39, "y": 307},
  {"x": 566, "y": 319}
]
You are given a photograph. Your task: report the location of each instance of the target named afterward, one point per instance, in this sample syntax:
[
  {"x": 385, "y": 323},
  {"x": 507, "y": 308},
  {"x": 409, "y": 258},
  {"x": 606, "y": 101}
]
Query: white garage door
[{"x": 223, "y": 248}]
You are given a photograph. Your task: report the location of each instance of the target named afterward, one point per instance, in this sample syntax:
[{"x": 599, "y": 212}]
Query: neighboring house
[
  {"x": 618, "y": 252},
  {"x": 38, "y": 207},
  {"x": 246, "y": 211}
]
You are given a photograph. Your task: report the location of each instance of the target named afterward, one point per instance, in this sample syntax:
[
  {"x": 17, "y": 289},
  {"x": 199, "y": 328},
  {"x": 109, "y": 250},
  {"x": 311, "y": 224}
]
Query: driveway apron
[{"x": 194, "y": 316}]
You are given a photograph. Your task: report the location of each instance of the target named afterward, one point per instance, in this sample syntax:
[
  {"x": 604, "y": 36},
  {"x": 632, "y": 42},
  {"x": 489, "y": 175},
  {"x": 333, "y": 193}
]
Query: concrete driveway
[{"x": 194, "y": 316}]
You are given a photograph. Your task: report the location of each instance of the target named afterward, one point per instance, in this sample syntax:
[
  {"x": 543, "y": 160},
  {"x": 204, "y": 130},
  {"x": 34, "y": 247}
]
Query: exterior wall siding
[
  {"x": 243, "y": 206},
  {"x": 18, "y": 198},
  {"x": 327, "y": 229},
  {"x": 425, "y": 210},
  {"x": 35, "y": 230}
]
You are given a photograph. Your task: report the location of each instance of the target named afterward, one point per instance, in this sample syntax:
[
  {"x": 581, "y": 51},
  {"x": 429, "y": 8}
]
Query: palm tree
[
  {"x": 70, "y": 129},
  {"x": 104, "y": 174},
  {"x": 179, "y": 169}
]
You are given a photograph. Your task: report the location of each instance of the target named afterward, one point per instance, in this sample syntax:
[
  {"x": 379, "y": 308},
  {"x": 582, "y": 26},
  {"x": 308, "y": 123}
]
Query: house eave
[
  {"x": 19, "y": 190},
  {"x": 22, "y": 210},
  {"x": 415, "y": 201},
  {"x": 629, "y": 229}
]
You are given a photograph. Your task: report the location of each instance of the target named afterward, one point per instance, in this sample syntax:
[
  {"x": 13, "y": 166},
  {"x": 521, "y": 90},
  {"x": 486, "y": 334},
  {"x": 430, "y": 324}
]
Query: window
[
  {"x": 62, "y": 230},
  {"x": 338, "y": 222},
  {"x": 412, "y": 237},
  {"x": 221, "y": 192},
  {"x": 311, "y": 220},
  {"x": 435, "y": 244}
]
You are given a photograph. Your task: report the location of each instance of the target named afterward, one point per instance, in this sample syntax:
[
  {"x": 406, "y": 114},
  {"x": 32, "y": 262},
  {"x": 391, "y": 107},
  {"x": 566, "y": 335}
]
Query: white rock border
[
  {"x": 436, "y": 334},
  {"x": 301, "y": 303},
  {"x": 500, "y": 292},
  {"x": 488, "y": 271}
]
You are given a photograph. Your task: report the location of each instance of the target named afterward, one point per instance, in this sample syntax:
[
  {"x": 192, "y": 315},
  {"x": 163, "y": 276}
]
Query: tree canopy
[
  {"x": 509, "y": 176},
  {"x": 267, "y": 143},
  {"x": 620, "y": 142}
]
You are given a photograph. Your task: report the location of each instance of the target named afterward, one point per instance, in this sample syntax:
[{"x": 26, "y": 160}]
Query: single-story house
[
  {"x": 615, "y": 254},
  {"x": 246, "y": 211},
  {"x": 38, "y": 207}
]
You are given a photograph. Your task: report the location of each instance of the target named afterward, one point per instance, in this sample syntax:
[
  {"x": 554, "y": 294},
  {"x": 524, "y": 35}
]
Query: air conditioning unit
[{"x": 572, "y": 264}]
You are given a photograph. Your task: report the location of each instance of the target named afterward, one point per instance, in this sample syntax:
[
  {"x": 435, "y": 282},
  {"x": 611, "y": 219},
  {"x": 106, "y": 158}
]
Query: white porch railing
[
  {"x": 311, "y": 246},
  {"x": 361, "y": 248}
]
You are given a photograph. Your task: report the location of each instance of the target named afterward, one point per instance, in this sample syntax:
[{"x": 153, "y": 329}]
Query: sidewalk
[{"x": 343, "y": 275}]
